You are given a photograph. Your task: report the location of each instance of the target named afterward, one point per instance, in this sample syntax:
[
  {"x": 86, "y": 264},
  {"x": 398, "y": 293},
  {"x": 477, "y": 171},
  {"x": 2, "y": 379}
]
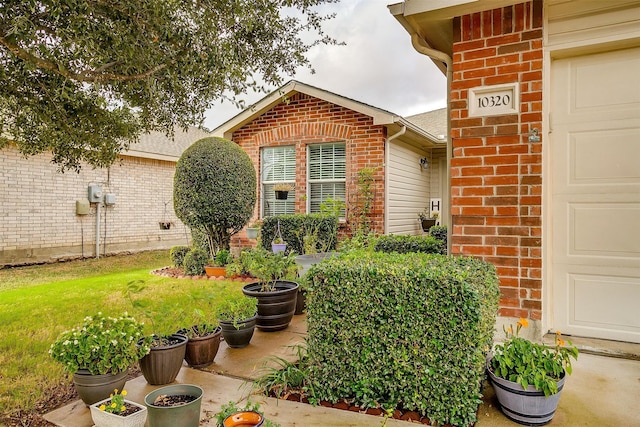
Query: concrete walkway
[{"x": 603, "y": 391}]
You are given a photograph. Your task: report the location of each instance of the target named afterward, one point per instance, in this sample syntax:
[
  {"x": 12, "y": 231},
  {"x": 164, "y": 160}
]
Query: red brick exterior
[
  {"x": 496, "y": 172},
  {"x": 304, "y": 120}
]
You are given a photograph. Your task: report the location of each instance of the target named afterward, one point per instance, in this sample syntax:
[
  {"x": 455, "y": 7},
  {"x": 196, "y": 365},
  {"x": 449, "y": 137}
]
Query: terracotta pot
[
  {"x": 201, "y": 351},
  {"x": 215, "y": 271},
  {"x": 106, "y": 419},
  {"x": 275, "y": 308},
  {"x": 94, "y": 388},
  {"x": 244, "y": 419},
  {"x": 162, "y": 364}
]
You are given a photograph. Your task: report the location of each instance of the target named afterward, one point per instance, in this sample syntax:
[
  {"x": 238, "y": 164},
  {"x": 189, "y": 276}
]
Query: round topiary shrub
[
  {"x": 177, "y": 255},
  {"x": 214, "y": 189},
  {"x": 194, "y": 262}
]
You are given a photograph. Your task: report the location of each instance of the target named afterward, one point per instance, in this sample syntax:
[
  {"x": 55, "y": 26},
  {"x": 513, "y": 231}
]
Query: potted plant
[
  {"x": 116, "y": 411},
  {"x": 167, "y": 349},
  {"x": 231, "y": 415},
  {"x": 427, "y": 219},
  {"x": 176, "y": 405},
  {"x": 276, "y": 295},
  {"x": 203, "y": 335},
  {"x": 217, "y": 267},
  {"x": 528, "y": 377},
  {"x": 99, "y": 353},
  {"x": 254, "y": 229},
  {"x": 278, "y": 244},
  {"x": 282, "y": 190},
  {"x": 237, "y": 317}
]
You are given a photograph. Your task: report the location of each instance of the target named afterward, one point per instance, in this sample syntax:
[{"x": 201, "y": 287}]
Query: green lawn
[{"x": 37, "y": 303}]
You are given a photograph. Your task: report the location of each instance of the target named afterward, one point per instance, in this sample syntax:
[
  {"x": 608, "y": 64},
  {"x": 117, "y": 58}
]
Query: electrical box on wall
[
  {"x": 95, "y": 193},
  {"x": 82, "y": 207},
  {"x": 109, "y": 199}
]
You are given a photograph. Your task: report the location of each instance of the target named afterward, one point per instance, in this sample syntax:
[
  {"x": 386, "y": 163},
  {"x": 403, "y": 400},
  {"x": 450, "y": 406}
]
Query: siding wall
[
  {"x": 38, "y": 221},
  {"x": 408, "y": 187},
  {"x": 306, "y": 120},
  {"x": 496, "y": 173}
]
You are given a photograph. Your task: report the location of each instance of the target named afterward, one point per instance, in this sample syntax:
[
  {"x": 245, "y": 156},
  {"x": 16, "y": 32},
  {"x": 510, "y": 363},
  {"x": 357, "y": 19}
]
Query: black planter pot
[
  {"x": 282, "y": 195},
  {"x": 275, "y": 308},
  {"x": 201, "y": 351},
  {"x": 427, "y": 224},
  {"x": 238, "y": 337},
  {"x": 162, "y": 364},
  {"x": 301, "y": 301}
]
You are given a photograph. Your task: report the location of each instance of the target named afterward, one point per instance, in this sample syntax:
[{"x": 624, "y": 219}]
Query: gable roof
[
  {"x": 158, "y": 146},
  {"x": 380, "y": 117},
  {"x": 434, "y": 122}
]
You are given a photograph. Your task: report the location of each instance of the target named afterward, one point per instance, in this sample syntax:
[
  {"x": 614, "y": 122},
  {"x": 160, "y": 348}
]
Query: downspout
[
  {"x": 421, "y": 47},
  {"x": 386, "y": 175}
]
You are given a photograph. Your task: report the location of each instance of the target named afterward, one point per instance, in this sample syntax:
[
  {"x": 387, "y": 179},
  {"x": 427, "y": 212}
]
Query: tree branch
[{"x": 87, "y": 76}]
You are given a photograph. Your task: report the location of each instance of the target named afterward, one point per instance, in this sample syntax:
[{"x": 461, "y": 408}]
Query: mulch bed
[
  {"x": 344, "y": 404},
  {"x": 178, "y": 273}
]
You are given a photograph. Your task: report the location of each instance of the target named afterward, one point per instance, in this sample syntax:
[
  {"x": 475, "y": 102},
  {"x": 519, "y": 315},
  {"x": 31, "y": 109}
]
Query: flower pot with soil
[
  {"x": 282, "y": 191},
  {"x": 176, "y": 405},
  {"x": 217, "y": 268},
  {"x": 162, "y": 364},
  {"x": 116, "y": 411},
  {"x": 202, "y": 345}
]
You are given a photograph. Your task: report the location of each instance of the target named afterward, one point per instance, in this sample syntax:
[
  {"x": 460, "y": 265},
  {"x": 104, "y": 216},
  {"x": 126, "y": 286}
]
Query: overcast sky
[{"x": 377, "y": 66}]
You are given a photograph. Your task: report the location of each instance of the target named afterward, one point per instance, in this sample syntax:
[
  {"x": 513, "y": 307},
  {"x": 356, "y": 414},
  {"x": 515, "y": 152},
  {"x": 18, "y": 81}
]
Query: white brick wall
[{"x": 38, "y": 220}]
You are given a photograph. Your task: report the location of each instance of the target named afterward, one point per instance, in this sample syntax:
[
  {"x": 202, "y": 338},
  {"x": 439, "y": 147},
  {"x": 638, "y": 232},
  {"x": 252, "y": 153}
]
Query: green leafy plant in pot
[
  {"x": 528, "y": 377},
  {"x": 276, "y": 295},
  {"x": 217, "y": 266},
  {"x": 167, "y": 348},
  {"x": 202, "y": 330},
  {"x": 237, "y": 316},
  {"x": 99, "y": 353}
]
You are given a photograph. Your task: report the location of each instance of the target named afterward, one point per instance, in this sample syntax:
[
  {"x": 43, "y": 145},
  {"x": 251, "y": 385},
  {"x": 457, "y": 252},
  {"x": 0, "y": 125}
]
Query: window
[
  {"x": 327, "y": 174},
  {"x": 278, "y": 166}
]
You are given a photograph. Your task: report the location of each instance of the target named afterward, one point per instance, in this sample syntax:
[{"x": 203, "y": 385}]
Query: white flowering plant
[{"x": 101, "y": 345}]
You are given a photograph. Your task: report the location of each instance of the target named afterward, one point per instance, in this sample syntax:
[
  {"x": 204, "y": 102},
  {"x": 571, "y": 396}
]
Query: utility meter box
[
  {"x": 109, "y": 199},
  {"x": 95, "y": 193},
  {"x": 82, "y": 207}
]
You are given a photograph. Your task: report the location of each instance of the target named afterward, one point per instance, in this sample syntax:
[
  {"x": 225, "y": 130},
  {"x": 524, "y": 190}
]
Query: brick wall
[
  {"x": 496, "y": 171},
  {"x": 38, "y": 222},
  {"x": 304, "y": 120}
]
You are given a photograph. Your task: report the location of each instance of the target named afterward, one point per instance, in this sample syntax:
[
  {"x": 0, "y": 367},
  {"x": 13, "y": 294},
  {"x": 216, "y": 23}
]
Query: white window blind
[
  {"x": 278, "y": 166},
  {"x": 327, "y": 174}
]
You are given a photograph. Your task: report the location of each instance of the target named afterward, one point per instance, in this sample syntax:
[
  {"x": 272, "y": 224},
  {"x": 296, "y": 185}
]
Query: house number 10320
[{"x": 494, "y": 101}]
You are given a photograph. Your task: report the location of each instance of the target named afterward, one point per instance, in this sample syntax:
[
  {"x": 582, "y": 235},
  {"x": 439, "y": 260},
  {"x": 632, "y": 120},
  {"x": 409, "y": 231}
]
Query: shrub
[
  {"x": 177, "y": 255},
  {"x": 409, "y": 330},
  {"x": 439, "y": 232},
  {"x": 200, "y": 240},
  {"x": 294, "y": 228},
  {"x": 406, "y": 244},
  {"x": 194, "y": 262},
  {"x": 214, "y": 189}
]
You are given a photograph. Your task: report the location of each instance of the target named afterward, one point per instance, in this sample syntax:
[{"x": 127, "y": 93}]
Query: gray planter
[
  {"x": 527, "y": 407},
  {"x": 252, "y": 233},
  {"x": 307, "y": 261},
  {"x": 94, "y": 388},
  {"x": 174, "y": 416}
]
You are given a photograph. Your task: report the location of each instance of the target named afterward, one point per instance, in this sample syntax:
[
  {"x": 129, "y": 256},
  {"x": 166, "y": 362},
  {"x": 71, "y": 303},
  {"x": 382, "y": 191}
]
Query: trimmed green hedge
[
  {"x": 406, "y": 330},
  {"x": 440, "y": 232},
  {"x": 177, "y": 254},
  {"x": 405, "y": 244},
  {"x": 294, "y": 228},
  {"x": 194, "y": 262}
]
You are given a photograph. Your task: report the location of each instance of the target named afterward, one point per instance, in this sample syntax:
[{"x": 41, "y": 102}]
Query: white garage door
[{"x": 595, "y": 205}]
